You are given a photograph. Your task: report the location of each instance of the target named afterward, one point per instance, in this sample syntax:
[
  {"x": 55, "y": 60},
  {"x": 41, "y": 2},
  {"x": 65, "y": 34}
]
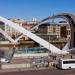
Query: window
[
  {"x": 54, "y": 29},
  {"x": 68, "y": 62}
]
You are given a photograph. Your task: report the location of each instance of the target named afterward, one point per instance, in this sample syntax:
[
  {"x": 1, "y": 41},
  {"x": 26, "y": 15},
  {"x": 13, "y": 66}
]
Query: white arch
[
  {"x": 34, "y": 37},
  {"x": 66, "y": 47},
  {"x": 16, "y": 40},
  {"x": 7, "y": 36}
]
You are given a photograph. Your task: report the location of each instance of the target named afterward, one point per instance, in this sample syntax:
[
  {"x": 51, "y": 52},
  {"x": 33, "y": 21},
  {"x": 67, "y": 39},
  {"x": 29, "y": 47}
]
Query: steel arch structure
[
  {"x": 34, "y": 37},
  {"x": 69, "y": 17},
  {"x": 71, "y": 20}
]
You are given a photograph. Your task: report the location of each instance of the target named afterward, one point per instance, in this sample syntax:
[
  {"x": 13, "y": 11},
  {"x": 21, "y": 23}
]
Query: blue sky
[{"x": 27, "y": 9}]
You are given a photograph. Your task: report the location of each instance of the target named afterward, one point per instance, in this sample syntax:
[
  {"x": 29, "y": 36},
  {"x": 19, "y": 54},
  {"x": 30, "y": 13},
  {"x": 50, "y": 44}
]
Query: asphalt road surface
[{"x": 42, "y": 72}]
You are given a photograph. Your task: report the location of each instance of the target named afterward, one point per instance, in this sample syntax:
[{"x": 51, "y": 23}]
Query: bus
[{"x": 66, "y": 63}]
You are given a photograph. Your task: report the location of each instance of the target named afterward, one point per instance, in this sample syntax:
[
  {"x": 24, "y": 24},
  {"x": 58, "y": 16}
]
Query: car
[{"x": 4, "y": 60}]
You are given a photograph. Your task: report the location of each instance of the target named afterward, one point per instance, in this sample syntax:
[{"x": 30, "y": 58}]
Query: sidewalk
[{"x": 23, "y": 69}]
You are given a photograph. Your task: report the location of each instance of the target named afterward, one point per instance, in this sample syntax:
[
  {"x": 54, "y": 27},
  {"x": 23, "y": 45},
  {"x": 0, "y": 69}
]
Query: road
[{"x": 42, "y": 72}]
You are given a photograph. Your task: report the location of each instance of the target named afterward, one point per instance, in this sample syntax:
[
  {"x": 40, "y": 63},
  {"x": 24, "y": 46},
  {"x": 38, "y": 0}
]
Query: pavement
[
  {"x": 40, "y": 72},
  {"x": 23, "y": 69}
]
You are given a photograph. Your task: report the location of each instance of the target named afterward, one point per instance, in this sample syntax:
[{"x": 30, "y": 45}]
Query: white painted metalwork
[{"x": 34, "y": 37}]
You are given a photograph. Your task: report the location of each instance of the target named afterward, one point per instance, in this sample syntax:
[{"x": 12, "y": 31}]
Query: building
[
  {"x": 21, "y": 22},
  {"x": 54, "y": 30}
]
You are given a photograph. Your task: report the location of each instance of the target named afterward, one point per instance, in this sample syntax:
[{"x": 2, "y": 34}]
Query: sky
[{"x": 28, "y": 9}]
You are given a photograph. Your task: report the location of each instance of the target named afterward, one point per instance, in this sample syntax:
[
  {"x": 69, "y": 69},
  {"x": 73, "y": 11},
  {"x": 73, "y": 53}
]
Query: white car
[{"x": 4, "y": 60}]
